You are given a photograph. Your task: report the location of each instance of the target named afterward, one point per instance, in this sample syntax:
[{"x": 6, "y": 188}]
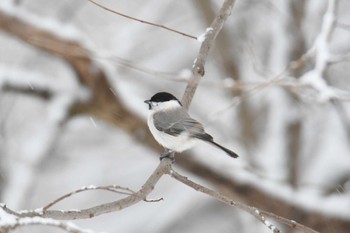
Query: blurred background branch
[{"x": 283, "y": 135}]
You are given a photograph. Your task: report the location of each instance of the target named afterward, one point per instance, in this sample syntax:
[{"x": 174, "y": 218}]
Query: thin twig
[
  {"x": 143, "y": 21},
  {"x": 342, "y": 25},
  {"x": 111, "y": 188},
  {"x": 33, "y": 221}
]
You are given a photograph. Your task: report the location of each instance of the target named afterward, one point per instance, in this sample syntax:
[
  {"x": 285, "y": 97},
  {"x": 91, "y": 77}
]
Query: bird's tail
[
  {"x": 208, "y": 138},
  {"x": 228, "y": 152}
]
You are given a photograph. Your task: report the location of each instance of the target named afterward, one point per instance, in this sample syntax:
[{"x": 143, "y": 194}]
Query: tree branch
[
  {"x": 163, "y": 168},
  {"x": 147, "y": 188},
  {"x": 257, "y": 213},
  {"x": 251, "y": 210},
  {"x": 143, "y": 21},
  {"x": 106, "y": 105},
  {"x": 42, "y": 93},
  {"x": 111, "y": 188},
  {"x": 29, "y": 221},
  {"x": 208, "y": 42}
]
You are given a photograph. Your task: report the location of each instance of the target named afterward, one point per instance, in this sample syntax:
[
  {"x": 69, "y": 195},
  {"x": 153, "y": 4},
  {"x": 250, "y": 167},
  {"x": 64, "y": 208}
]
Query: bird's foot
[{"x": 167, "y": 154}]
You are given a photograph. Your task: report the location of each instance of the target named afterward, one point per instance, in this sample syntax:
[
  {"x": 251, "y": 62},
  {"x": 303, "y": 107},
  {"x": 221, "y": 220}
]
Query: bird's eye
[{"x": 153, "y": 105}]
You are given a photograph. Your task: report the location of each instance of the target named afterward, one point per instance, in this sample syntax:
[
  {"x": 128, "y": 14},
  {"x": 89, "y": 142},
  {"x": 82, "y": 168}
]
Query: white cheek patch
[
  {"x": 169, "y": 105},
  {"x": 152, "y": 105}
]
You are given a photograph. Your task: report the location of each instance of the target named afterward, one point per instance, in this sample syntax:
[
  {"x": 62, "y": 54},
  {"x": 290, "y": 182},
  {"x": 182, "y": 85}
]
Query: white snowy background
[{"x": 293, "y": 139}]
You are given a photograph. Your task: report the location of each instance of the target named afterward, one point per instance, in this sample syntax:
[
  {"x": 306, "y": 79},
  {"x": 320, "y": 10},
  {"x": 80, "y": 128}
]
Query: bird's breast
[{"x": 176, "y": 143}]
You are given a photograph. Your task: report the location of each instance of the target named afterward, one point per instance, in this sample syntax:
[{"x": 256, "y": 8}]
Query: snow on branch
[
  {"x": 66, "y": 31},
  {"x": 323, "y": 57},
  {"x": 8, "y": 223},
  {"x": 207, "y": 43},
  {"x": 312, "y": 84},
  {"x": 321, "y": 53}
]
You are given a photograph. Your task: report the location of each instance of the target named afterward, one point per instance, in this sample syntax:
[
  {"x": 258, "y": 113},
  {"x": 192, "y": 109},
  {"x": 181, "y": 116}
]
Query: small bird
[{"x": 172, "y": 126}]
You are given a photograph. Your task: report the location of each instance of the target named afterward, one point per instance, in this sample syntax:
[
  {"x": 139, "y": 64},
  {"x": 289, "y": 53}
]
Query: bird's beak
[{"x": 149, "y": 104}]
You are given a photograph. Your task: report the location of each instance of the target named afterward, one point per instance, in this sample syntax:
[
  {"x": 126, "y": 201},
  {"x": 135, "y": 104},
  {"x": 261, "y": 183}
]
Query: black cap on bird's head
[{"x": 161, "y": 97}]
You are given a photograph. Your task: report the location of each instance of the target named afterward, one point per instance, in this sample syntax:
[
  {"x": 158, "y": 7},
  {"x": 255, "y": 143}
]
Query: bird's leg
[{"x": 167, "y": 154}]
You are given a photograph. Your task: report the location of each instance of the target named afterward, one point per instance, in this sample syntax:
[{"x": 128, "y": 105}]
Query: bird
[{"x": 173, "y": 128}]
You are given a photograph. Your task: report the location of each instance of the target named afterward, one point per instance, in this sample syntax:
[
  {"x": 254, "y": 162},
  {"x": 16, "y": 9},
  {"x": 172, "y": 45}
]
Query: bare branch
[
  {"x": 222, "y": 198},
  {"x": 163, "y": 168},
  {"x": 28, "y": 221},
  {"x": 257, "y": 213},
  {"x": 143, "y": 21},
  {"x": 42, "y": 93},
  {"x": 342, "y": 25},
  {"x": 208, "y": 42},
  {"x": 112, "y": 188}
]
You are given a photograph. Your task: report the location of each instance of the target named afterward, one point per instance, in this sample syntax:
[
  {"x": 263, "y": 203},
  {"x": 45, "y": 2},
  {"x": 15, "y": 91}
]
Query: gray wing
[{"x": 178, "y": 121}]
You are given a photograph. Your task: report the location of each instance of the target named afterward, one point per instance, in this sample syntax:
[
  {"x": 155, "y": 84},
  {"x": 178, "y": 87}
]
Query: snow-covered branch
[
  {"x": 10, "y": 222},
  {"x": 321, "y": 53}
]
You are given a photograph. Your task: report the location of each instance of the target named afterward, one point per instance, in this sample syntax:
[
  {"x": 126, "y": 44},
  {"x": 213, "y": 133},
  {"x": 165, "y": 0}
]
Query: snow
[
  {"x": 39, "y": 211},
  {"x": 185, "y": 74},
  {"x": 203, "y": 36},
  {"x": 9, "y": 222},
  {"x": 6, "y": 219},
  {"x": 93, "y": 121},
  {"x": 34, "y": 148},
  {"x": 43, "y": 157},
  {"x": 27, "y": 78},
  {"x": 65, "y": 31},
  {"x": 229, "y": 82}
]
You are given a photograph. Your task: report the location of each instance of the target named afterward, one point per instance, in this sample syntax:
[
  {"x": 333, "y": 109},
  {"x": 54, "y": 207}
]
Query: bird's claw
[{"x": 167, "y": 154}]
